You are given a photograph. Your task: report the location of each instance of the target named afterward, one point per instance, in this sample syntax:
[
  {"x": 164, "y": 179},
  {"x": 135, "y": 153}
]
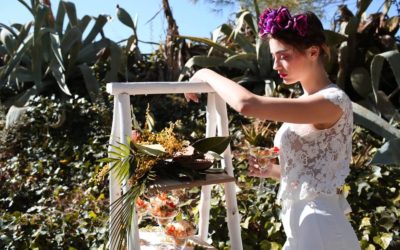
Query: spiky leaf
[
  {"x": 393, "y": 58},
  {"x": 209, "y": 43},
  {"x": 101, "y": 20},
  {"x": 70, "y": 9},
  {"x": 91, "y": 83}
]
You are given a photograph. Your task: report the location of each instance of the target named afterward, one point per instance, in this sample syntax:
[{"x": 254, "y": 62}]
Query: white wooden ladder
[{"x": 217, "y": 124}]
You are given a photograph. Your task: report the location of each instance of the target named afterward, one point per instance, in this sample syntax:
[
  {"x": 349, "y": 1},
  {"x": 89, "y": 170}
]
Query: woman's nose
[{"x": 276, "y": 65}]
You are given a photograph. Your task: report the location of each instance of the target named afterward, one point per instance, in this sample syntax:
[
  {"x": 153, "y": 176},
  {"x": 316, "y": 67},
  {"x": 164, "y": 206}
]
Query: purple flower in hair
[
  {"x": 283, "y": 18},
  {"x": 273, "y": 21},
  {"x": 300, "y": 24}
]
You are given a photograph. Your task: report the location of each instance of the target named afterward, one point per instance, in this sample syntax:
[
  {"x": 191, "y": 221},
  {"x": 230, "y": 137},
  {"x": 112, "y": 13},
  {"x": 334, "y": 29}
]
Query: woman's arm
[{"x": 314, "y": 109}]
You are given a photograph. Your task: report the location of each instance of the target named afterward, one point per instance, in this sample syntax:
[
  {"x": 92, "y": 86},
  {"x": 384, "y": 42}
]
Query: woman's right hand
[{"x": 255, "y": 170}]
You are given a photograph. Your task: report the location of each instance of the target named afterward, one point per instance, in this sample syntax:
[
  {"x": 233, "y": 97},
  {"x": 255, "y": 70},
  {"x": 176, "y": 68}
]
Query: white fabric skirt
[{"x": 318, "y": 224}]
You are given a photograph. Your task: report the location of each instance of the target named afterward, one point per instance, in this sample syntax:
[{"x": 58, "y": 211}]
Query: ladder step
[
  {"x": 155, "y": 240},
  {"x": 210, "y": 178}
]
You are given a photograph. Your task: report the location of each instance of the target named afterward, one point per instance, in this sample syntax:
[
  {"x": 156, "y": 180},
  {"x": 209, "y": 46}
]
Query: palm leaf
[{"x": 153, "y": 150}]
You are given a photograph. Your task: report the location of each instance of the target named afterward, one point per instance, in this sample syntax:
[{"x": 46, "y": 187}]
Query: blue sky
[{"x": 192, "y": 19}]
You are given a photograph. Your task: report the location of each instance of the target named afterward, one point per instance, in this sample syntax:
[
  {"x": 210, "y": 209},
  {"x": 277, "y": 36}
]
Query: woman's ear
[{"x": 314, "y": 52}]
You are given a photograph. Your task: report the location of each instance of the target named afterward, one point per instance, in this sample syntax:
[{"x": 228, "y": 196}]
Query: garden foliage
[{"x": 50, "y": 197}]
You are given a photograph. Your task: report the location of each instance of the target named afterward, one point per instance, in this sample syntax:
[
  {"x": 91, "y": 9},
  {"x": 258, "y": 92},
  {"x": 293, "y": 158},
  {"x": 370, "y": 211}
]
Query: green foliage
[
  {"x": 47, "y": 55},
  {"x": 49, "y": 196},
  {"x": 357, "y": 65},
  {"x": 236, "y": 47}
]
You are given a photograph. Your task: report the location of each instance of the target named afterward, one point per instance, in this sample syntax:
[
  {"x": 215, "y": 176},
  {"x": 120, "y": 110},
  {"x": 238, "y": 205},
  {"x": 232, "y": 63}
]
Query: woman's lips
[{"x": 282, "y": 75}]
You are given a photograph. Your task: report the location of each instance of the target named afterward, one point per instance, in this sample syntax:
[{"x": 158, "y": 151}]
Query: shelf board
[
  {"x": 154, "y": 240},
  {"x": 210, "y": 178}
]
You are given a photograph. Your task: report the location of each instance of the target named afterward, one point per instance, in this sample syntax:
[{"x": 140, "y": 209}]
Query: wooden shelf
[
  {"x": 155, "y": 240},
  {"x": 210, "y": 178}
]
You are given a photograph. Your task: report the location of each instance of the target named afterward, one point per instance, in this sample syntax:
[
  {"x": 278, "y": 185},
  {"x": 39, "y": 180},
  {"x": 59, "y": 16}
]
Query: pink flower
[
  {"x": 273, "y": 21},
  {"x": 300, "y": 24}
]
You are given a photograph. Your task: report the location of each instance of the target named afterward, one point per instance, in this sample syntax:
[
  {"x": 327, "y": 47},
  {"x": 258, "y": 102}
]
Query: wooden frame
[{"x": 217, "y": 124}]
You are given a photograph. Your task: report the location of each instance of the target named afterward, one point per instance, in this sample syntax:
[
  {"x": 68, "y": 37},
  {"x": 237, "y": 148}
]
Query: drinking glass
[
  {"x": 180, "y": 232},
  {"x": 164, "y": 208},
  {"x": 264, "y": 157},
  {"x": 142, "y": 208}
]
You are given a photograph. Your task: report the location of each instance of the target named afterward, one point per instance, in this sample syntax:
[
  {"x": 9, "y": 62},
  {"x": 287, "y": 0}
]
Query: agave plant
[
  {"x": 369, "y": 43},
  {"x": 237, "y": 48},
  {"x": 49, "y": 55}
]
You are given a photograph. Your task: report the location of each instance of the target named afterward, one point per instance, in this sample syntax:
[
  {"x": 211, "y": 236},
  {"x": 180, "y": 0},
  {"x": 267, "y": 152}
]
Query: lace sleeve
[
  {"x": 337, "y": 97},
  {"x": 315, "y": 162}
]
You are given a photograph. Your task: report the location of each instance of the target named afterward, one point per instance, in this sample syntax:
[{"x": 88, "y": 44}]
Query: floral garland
[{"x": 273, "y": 21}]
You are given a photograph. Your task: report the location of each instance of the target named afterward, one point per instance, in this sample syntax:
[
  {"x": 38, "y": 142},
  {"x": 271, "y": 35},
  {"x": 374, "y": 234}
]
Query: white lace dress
[{"x": 314, "y": 164}]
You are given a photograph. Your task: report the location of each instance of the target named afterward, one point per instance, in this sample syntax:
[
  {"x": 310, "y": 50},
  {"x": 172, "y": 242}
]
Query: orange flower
[
  {"x": 140, "y": 202},
  {"x": 170, "y": 229},
  {"x": 136, "y": 136}
]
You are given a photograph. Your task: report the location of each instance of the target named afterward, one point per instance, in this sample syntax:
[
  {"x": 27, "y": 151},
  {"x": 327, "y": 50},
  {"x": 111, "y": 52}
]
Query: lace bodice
[{"x": 315, "y": 161}]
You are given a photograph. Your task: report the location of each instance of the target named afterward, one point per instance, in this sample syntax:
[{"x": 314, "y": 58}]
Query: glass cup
[
  {"x": 164, "y": 208},
  {"x": 264, "y": 157},
  {"x": 179, "y": 232},
  {"x": 142, "y": 208}
]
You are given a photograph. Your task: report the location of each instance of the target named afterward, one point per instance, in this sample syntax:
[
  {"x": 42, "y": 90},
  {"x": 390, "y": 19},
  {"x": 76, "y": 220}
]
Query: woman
[{"x": 315, "y": 138}]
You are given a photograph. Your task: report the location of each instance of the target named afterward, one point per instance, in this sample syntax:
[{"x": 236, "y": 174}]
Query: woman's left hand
[
  {"x": 193, "y": 96},
  {"x": 255, "y": 170}
]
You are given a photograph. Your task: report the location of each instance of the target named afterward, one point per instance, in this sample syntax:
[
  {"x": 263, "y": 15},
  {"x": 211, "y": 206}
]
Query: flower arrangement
[{"x": 149, "y": 155}]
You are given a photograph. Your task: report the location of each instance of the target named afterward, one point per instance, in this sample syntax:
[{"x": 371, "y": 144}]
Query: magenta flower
[
  {"x": 283, "y": 18},
  {"x": 300, "y": 24},
  {"x": 273, "y": 21}
]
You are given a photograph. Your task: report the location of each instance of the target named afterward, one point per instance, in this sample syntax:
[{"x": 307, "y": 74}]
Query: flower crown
[{"x": 273, "y": 21}]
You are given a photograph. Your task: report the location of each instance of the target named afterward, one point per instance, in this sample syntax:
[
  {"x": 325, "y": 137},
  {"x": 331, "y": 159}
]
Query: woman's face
[{"x": 291, "y": 65}]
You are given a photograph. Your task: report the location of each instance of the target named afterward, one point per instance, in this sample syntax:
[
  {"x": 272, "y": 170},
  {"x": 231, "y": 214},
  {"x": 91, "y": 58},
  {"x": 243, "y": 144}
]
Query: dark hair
[{"x": 314, "y": 35}]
